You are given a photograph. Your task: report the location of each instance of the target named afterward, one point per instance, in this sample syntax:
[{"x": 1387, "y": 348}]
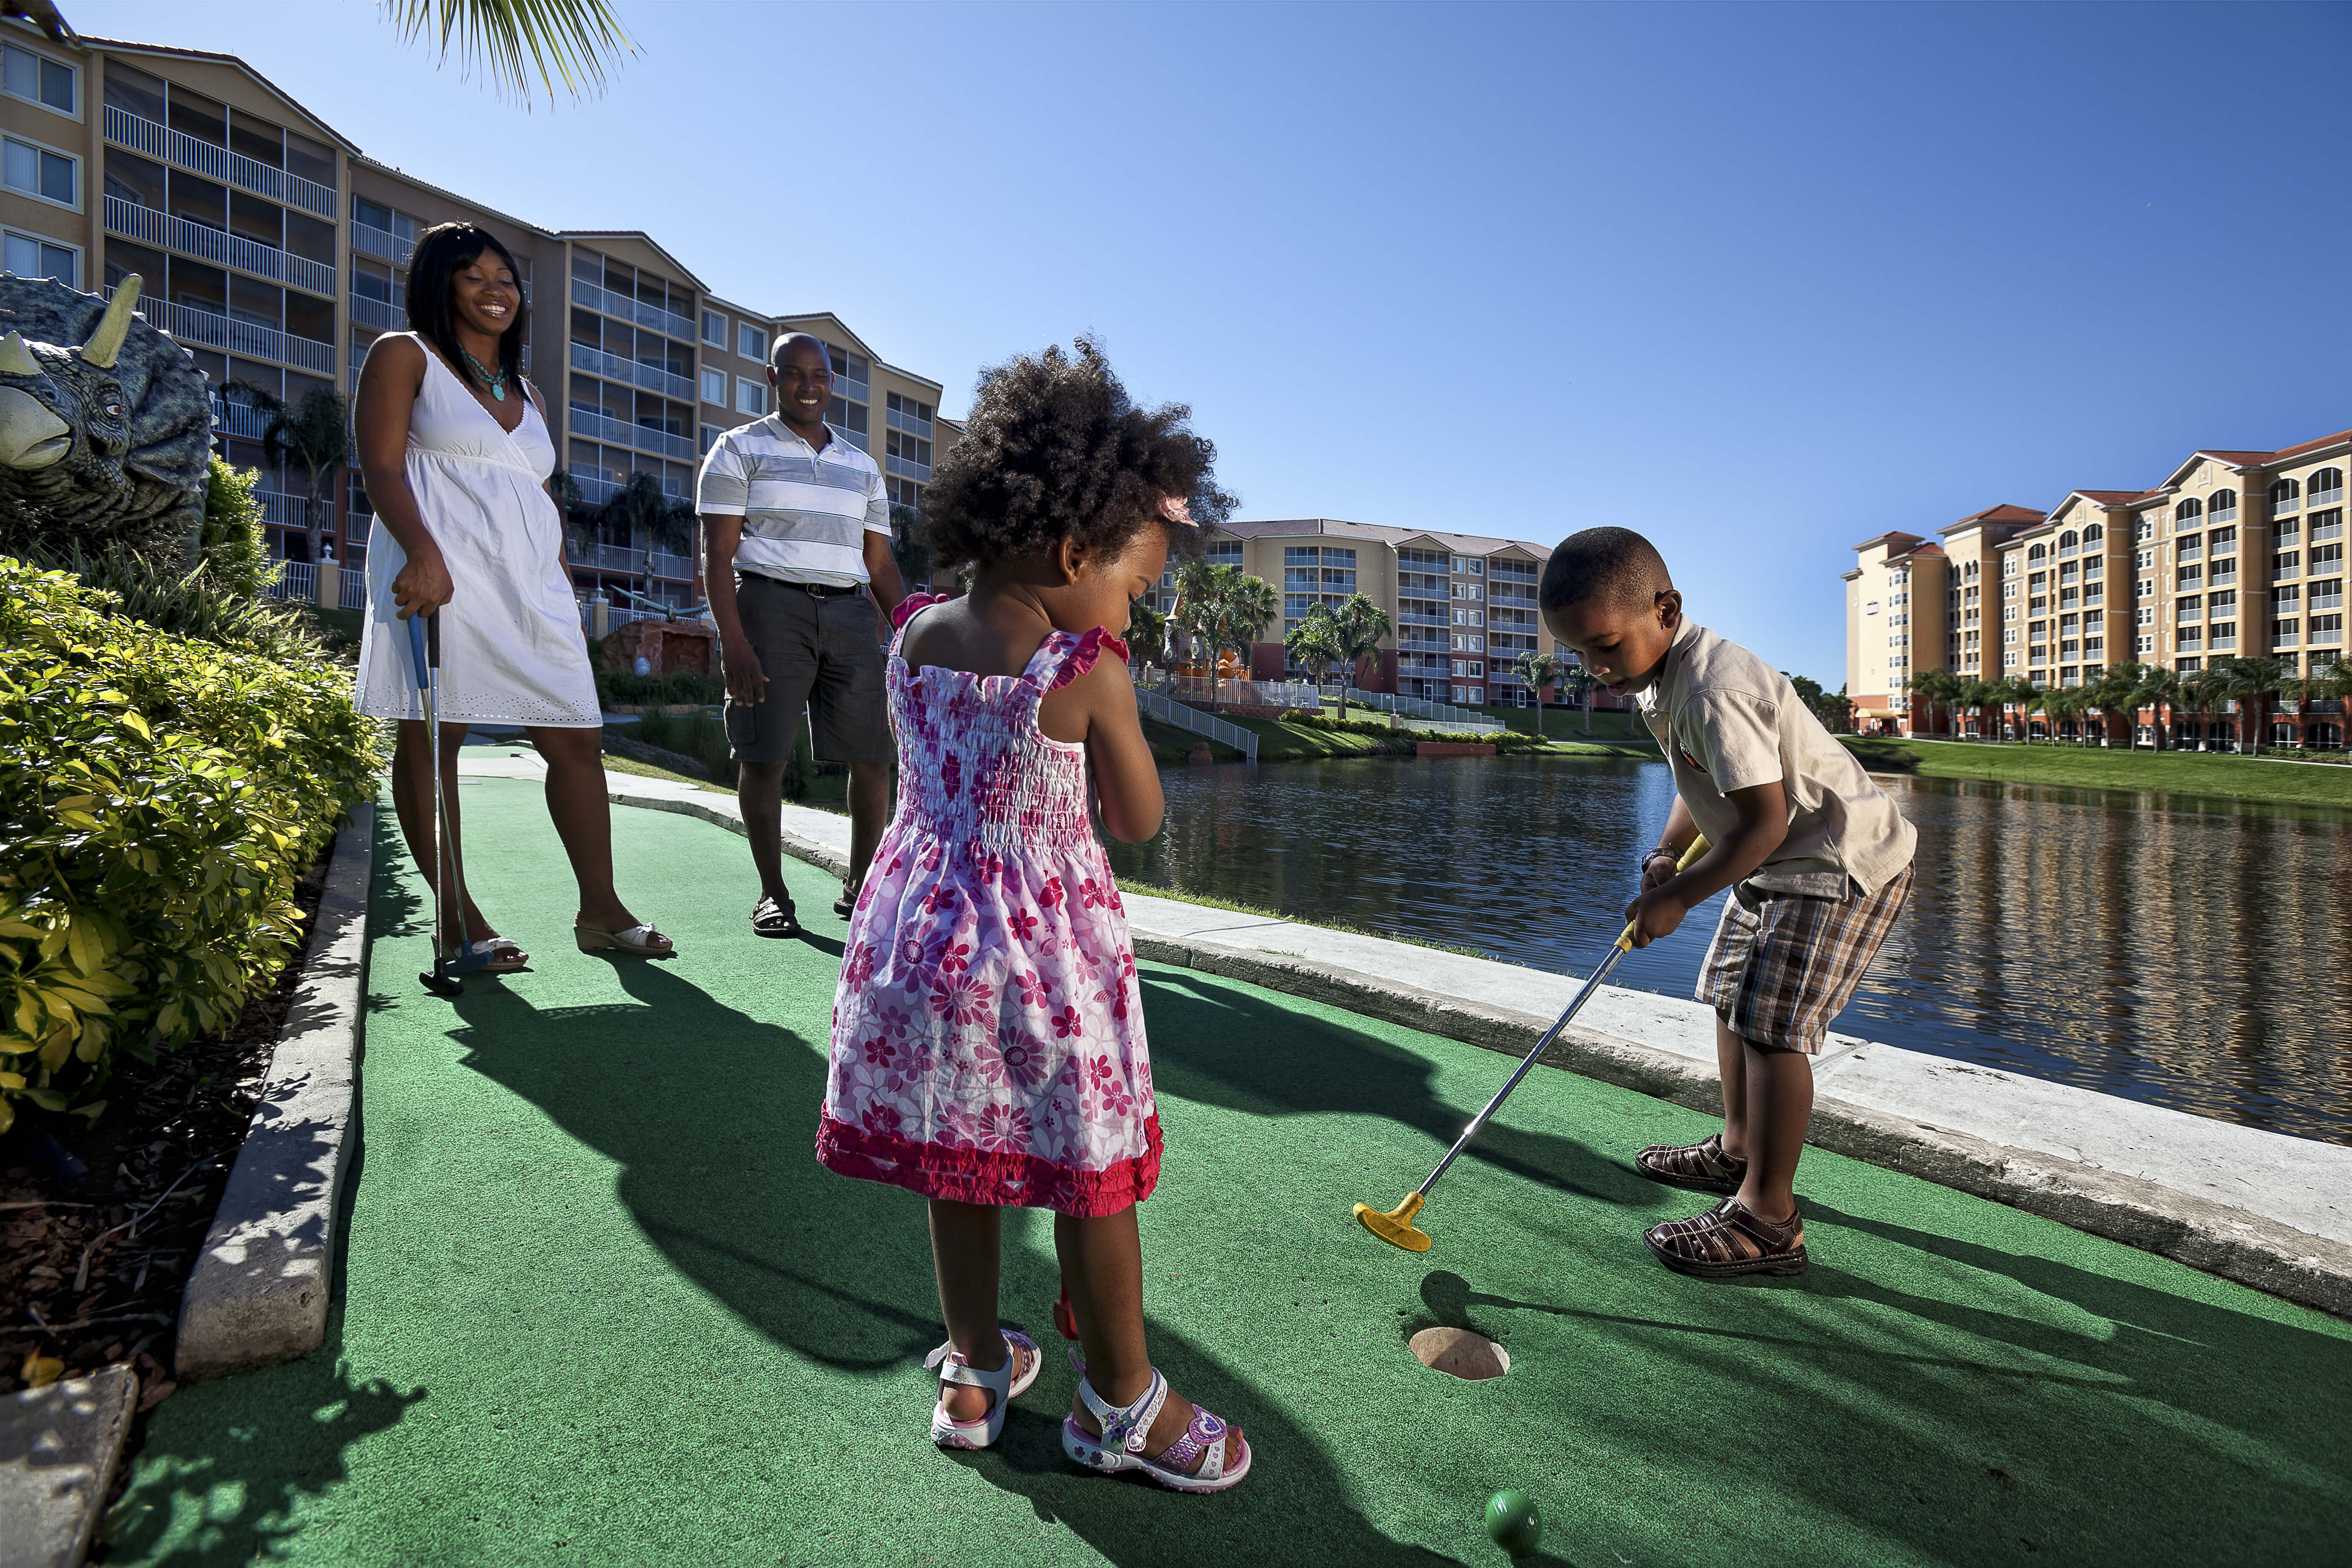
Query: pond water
[{"x": 2195, "y": 954}]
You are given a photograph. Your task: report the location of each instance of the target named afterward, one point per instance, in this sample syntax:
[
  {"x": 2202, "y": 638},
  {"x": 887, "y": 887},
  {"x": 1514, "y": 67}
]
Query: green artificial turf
[{"x": 600, "y": 1307}]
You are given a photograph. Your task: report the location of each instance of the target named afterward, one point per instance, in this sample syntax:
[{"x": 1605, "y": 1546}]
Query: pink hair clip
[{"x": 1176, "y": 509}]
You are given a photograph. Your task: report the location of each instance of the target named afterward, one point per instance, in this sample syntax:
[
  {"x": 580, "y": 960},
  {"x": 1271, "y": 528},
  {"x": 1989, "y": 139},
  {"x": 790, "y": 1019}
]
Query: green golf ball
[{"x": 1514, "y": 1522}]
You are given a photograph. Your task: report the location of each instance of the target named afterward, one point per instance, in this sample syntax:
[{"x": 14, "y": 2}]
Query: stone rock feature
[
  {"x": 1458, "y": 1352},
  {"x": 59, "y": 1447},
  {"x": 672, "y": 647},
  {"x": 105, "y": 424}
]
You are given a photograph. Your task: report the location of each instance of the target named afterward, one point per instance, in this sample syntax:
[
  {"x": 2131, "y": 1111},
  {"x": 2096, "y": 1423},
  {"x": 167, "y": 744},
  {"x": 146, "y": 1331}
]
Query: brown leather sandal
[
  {"x": 1728, "y": 1241},
  {"x": 1701, "y": 1167}
]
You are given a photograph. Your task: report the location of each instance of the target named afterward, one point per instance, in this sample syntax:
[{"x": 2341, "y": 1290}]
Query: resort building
[
  {"x": 2235, "y": 553},
  {"x": 276, "y": 252},
  {"x": 1463, "y": 606}
]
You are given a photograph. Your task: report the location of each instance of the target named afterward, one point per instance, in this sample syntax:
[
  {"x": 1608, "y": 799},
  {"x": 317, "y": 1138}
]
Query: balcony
[
  {"x": 2285, "y": 503},
  {"x": 598, "y": 428},
  {"x": 907, "y": 467},
  {"x": 1518, "y": 601},
  {"x": 1410, "y": 620},
  {"x": 189, "y": 325},
  {"x": 613, "y": 304},
  {"x": 2318, "y": 499},
  {"x": 211, "y": 158},
  {"x": 2221, "y": 576},
  {"x": 605, "y": 557},
  {"x": 384, "y": 315},
  {"x": 281, "y": 509},
  {"x": 2325, "y": 602},
  {"x": 382, "y": 244},
  {"x": 907, "y": 423},
  {"x": 2221, "y": 514},
  {"x": 594, "y": 492},
  {"x": 239, "y": 419},
  {"x": 850, "y": 388},
  {"x": 133, "y": 221},
  {"x": 2333, "y": 530},
  {"x": 651, "y": 377},
  {"x": 677, "y": 568}
]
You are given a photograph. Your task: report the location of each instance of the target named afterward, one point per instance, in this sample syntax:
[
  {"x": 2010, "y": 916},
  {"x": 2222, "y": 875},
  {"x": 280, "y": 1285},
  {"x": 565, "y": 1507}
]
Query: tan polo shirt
[{"x": 1727, "y": 720}]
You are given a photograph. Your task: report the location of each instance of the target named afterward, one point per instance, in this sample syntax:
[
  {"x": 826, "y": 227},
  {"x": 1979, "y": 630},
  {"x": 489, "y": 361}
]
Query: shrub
[
  {"x": 158, "y": 795},
  {"x": 625, "y": 686},
  {"x": 701, "y": 736}
]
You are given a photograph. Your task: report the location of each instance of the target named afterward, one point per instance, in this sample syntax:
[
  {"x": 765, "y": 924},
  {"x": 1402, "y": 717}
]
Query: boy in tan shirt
[{"x": 1816, "y": 857}]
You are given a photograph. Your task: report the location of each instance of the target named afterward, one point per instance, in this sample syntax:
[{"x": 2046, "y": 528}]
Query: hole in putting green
[{"x": 1458, "y": 1352}]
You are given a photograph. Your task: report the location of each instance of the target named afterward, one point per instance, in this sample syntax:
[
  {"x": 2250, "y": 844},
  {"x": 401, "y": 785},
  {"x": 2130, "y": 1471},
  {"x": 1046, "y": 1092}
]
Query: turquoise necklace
[{"x": 496, "y": 383}]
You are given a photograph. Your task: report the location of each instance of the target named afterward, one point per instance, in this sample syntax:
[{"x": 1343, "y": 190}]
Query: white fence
[
  {"x": 296, "y": 580},
  {"x": 1244, "y": 693},
  {"x": 1198, "y": 722},
  {"x": 354, "y": 589},
  {"x": 1437, "y": 716}
]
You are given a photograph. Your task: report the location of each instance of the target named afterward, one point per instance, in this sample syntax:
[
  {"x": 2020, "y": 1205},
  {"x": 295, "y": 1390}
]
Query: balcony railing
[
  {"x": 2324, "y": 498},
  {"x": 851, "y": 388},
  {"x": 190, "y": 325},
  {"x": 211, "y": 158},
  {"x": 594, "y": 492},
  {"x": 286, "y": 510},
  {"x": 2331, "y": 530},
  {"x": 2221, "y": 576},
  {"x": 239, "y": 418},
  {"x": 380, "y": 243},
  {"x": 616, "y": 304},
  {"x": 677, "y": 568},
  {"x": 596, "y": 426},
  {"x": 906, "y": 468},
  {"x": 899, "y": 420},
  {"x": 384, "y": 315},
  {"x": 143, "y": 223},
  {"x": 605, "y": 557},
  {"x": 651, "y": 377},
  {"x": 2325, "y": 602}
]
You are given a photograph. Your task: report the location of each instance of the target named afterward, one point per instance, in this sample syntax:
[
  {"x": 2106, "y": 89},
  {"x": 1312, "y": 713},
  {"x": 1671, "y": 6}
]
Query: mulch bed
[{"x": 91, "y": 1270}]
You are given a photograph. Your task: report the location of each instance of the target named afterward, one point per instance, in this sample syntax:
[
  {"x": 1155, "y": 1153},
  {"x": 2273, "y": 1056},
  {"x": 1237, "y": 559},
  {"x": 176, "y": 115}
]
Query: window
[
  {"x": 750, "y": 342},
  {"x": 751, "y": 398},
  {"x": 2327, "y": 487},
  {"x": 2189, "y": 513},
  {"x": 2222, "y": 506},
  {"x": 714, "y": 388},
  {"x": 2093, "y": 535},
  {"x": 714, "y": 330},
  {"x": 40, "y": 80},
  {"x": 710, "y": 434},
  {"x": 2286, "y": 563},
  {"x": 29, "y": 255},
  {"x": 2144, "y": 529},
  {"x": 38, "y": 172}
]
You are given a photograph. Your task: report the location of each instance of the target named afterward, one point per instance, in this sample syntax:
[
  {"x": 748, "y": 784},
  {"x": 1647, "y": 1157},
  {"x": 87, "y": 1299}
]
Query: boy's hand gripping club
[
  {"x": 1395, "y": 1226},
  {"x": 425, "y": 658}
]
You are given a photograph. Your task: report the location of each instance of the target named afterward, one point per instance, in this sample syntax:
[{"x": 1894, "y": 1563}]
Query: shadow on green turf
[
  {"x": 718, "y": 1168},
  {"x": 1209, "y": 1047}
]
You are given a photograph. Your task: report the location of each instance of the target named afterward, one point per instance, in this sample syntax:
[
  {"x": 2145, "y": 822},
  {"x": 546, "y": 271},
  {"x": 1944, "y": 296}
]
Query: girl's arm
[
  {"x": 387, "y": 396},
  {"x": 1098, "y": 707}
]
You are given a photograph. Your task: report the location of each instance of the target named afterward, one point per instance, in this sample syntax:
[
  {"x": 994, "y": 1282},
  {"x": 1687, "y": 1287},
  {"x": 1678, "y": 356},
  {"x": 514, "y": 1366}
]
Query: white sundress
[{"x": 512, "y": 651}]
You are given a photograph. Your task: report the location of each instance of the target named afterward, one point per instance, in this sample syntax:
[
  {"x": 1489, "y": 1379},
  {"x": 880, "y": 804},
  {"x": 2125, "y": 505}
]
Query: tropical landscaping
[{"x": 2237, "y": 696}]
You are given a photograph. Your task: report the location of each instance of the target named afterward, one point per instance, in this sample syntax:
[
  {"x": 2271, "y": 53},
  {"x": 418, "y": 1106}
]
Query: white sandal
[
  {"x": 1124, "y": 1433},
  {"x": 1007, "y": 1383},
  {"x": 638, "y": 942}
]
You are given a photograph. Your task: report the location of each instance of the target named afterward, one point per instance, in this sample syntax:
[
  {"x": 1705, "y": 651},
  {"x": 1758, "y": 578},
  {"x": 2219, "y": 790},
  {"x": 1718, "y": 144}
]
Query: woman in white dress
[{"x": 453, "y": 448}]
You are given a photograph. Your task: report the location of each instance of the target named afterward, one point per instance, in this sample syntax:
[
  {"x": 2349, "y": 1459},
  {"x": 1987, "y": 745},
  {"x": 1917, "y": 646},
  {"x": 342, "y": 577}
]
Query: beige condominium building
[
  {"x": 1463, "y": 606},
  {"x": 2236, "y": 553},
  {"x": 276, "y": 252}
]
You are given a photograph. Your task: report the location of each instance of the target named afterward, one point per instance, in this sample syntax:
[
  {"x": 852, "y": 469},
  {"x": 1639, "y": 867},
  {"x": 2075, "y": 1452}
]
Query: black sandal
[
  {"x": 769, "y": 918},
  {"x": 1701, "y": 1167},
  {"x": 847, "y": 905},
  {"x": 1728, "y": 1241}
]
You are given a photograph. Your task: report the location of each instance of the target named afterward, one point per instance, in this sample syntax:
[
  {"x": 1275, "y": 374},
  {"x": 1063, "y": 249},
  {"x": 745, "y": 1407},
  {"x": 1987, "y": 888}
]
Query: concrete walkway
[{"x": 2269, "y": 1210}]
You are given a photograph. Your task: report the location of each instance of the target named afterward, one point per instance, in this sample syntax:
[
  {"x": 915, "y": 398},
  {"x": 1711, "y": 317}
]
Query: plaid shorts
[{"x": 1779, "y": 973}]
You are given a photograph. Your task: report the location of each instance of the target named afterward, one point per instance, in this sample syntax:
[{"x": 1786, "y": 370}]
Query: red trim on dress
[{"x": 1001, "y": 1176}]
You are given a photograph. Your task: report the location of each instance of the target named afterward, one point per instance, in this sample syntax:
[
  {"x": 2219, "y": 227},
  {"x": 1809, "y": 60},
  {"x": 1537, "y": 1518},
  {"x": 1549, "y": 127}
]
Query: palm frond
[{"x": 512, "y": 41}]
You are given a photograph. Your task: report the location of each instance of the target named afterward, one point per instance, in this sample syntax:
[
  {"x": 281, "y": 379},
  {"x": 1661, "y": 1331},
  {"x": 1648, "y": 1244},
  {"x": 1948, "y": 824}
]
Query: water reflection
[{"x": 2186, "y": 951}]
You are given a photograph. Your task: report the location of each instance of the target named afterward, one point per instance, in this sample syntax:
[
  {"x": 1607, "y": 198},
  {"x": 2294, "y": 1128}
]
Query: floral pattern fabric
[{"x": 988, "y": 1040}]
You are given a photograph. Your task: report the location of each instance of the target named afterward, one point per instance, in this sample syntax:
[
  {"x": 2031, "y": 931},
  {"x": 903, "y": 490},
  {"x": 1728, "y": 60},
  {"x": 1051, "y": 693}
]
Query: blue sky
[{"x": 1759, "y": 281}]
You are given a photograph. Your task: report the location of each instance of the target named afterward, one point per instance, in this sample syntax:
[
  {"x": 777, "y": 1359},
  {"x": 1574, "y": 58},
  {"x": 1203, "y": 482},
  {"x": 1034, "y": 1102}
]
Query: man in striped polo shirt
[{"x": 797, "y": 527}]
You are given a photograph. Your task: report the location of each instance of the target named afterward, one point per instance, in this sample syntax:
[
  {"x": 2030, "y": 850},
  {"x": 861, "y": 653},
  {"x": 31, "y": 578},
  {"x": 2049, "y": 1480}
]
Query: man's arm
[
  {"x": 882, "y": 570},
  {"x": 746, "y": 681}
]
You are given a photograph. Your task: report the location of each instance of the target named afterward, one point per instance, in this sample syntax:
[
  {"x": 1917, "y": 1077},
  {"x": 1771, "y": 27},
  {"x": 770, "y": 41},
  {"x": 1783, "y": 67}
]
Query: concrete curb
[
  {"x": 2227, "y": 1239},
  {"x": 258, "y": 1292},
  {"x": 59, "y": 1447}
]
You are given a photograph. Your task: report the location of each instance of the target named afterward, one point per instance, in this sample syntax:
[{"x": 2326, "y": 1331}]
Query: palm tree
[
  {"x": 1147, "y": 634},
  {"x": 1362, "y": 624},
  {"x": 1249, "y": 603},
  {"x": 2021, "y": 693},
  {"x": 1199, "y": 589},
  {"x": 2158, "y": 689},
  {"x": 1976, "y": 694},
  {"x": 2255, "y": 680},
  {"x": 314, "y": 432},
  {"x": 1579, "y": 684},
  {"x": 1539, "y": 670},
  {"x": 1313, "y": 645}
]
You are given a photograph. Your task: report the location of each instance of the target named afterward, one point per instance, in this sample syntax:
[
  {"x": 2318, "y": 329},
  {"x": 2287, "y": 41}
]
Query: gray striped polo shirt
[{"x": 805, "y": 513}]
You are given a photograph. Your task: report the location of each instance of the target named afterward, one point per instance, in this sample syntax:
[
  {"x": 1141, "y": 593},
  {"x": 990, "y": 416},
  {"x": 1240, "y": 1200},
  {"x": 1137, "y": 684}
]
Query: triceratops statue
[{"x": 105, "y": 424}]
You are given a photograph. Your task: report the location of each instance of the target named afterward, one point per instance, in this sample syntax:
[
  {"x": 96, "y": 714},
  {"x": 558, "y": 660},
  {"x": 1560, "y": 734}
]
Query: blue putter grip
[{"x": 416, "y": 649}]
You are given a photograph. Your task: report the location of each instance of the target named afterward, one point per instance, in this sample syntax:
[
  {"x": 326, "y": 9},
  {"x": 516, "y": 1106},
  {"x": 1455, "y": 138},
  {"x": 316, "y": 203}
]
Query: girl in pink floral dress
[{"x": 988, "y": 1044}]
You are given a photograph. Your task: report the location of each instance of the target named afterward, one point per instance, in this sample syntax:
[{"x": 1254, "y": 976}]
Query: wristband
[{"x": 1660, "y": 853}]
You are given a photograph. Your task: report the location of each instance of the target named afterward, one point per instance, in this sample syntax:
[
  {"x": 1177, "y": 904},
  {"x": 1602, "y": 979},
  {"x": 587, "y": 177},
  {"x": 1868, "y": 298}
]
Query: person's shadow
[{"x": 839, "y": 1271}]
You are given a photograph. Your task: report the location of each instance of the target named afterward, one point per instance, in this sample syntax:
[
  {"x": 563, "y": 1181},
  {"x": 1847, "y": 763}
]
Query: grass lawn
[
  {"x": 2218, "y": 774},
  {"x": 599, "y": 1306}
]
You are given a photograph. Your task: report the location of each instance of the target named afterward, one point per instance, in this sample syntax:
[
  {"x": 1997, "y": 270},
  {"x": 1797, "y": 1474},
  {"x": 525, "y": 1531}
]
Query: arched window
[
  {"x": 2222, "y": 506},
  {"x": 2092, "y": 534},
  {"x": 2285, "y": 493},
  {"x": 2327, "y": 487},
  {"x": 2036, "y": 553},
  {"x": 2069, "y": 540},
  {"x": 2188, "y": 513}
]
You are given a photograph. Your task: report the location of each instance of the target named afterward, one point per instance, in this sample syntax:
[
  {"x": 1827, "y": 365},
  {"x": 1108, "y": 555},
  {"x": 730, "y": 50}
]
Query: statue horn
[
  {"x": 15, "y": 359},
  {"x": 114, "y": 327}
]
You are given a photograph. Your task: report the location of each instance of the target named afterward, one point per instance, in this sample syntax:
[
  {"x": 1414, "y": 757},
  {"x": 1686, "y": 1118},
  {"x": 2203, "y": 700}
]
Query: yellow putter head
[{"x": 1395, "y": 1227}]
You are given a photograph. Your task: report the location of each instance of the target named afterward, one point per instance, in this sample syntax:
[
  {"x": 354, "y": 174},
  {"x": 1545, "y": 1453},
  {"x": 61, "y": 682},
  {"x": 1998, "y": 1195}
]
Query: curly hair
[{"x": 1055, "y": 449}]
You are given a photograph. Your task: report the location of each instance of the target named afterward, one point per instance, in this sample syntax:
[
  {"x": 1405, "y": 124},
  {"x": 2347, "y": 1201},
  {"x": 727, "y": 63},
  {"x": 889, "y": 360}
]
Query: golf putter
[
  {"x": 425, "y": 658},
  {"x": 1395, "y": 1226}
]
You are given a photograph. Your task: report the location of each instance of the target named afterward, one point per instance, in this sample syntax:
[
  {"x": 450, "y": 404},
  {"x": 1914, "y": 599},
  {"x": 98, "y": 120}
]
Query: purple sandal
[{"x": 1124, "y": 1431}]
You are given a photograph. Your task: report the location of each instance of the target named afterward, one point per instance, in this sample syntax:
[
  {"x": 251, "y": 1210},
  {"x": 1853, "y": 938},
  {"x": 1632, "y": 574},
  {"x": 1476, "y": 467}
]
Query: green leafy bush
[
  {"x": 623, "y": 687},
  {"x": 158, "y": 795}
]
